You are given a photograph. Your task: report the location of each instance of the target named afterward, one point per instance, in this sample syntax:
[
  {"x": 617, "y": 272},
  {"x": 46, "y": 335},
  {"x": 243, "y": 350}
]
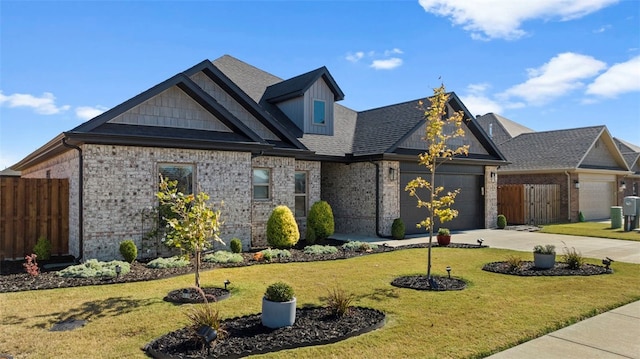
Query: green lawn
[
  {"x": 495, "y": 311},
  {"x": 591, "y": 229}
]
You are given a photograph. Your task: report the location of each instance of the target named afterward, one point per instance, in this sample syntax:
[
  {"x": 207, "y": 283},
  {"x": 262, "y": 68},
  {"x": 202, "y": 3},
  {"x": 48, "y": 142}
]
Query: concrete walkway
[{"x": 614, "y": 334}]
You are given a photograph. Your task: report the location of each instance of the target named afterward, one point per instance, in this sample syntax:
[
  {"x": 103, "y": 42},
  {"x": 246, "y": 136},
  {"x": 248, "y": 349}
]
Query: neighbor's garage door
[
  {"x": 469, "y": 202},
  {"x": 596, "y": 196}
]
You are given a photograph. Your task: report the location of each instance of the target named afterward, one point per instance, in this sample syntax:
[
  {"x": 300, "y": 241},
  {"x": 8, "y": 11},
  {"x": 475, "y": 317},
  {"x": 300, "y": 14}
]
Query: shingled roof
[
  {"x": 296, "y": 86},
  {"x": 501, "y": 129}
]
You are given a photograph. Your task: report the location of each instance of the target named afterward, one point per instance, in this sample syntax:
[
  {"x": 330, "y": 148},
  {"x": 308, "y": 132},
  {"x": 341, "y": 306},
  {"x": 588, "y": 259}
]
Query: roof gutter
[{"x": 80, "y": 198}]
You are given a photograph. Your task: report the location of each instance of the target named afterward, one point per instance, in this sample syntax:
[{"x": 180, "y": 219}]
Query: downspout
[
  {"x": 378, "y": 201},
  {"x": 568, "y": 195},
  {"x": 80, "y": 198}
]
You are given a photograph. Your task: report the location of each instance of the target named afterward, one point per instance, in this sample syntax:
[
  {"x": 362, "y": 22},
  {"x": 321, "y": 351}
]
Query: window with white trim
[
  {"x": 183, "y": 173},
  {"x": 261, "y": 183},
  {"x": 300, "y": 194},
  {"x": 319, "y": 112}
]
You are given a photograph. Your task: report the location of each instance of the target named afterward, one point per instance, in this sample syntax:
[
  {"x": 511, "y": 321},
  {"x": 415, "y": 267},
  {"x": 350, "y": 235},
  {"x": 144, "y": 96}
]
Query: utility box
[{"x": 631, "y": 206}]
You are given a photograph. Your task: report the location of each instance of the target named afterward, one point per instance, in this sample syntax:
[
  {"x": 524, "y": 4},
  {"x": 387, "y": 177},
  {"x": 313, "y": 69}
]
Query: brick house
[
  {"x": 254, "y": 141},
  {"x": 630, "y": 184},
  {"x": 584, "y": 164}
]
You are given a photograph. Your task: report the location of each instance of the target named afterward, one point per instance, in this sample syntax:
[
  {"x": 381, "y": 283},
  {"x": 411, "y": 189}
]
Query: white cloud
[
  {"x": 561, "y": 75},
  {"x": 379, "y": 61},
  {"x": 44, "y": 105},
  {"x": 618, "y": 79},
  {"x": 355, "y": 57},
  {"x": 88, "y": 112},
  {"x": 602, "y": 29},
  {"x": 494, "y": 19},
  {"x": 387, "y": 64}
]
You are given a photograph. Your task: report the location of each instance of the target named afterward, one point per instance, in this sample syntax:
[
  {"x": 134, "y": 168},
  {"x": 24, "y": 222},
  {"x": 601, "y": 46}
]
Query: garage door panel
[
  {"x": 596, "y": 199},
  {"x": 469, "y": 202}
]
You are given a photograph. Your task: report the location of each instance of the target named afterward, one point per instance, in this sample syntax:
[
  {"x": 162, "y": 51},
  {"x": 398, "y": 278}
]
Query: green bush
[
  {"x": 397, "y": 229},
  {"x": 311, "y": 236},
  {"x": 223, "y": 257},
  {"x": 318, "y": 249},
  {"x": 279, "y": 292},
  {"x": 320, "y": 218},
  {"x": 128, "y": 250},
  {"x": 236, "y": 245},
  {"x": 282, "y": 229},
  {"x": 339, "y": 301},
  {"x": 42, "y": 249},
  {"x": 270, "y": 253},
  {"x": 573, "y": 258},
  {"x": 359, "y": 246},
  {"x": 171, "y": 262},
  {"x": 514, "y": 262},
  {"x": 502, "y": 221},
  {"x": 93, "y": 269},
  {"x": 546, "y": 249}
]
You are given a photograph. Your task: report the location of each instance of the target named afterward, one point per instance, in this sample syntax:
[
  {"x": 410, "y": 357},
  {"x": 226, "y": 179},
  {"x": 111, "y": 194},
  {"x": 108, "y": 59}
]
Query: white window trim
[
  {"x": 268, "y": 184},
  {"x": 305, "y": 194}
]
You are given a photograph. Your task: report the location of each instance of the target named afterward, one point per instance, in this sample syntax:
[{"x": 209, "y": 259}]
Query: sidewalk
[{"x": 614, "y": 334}]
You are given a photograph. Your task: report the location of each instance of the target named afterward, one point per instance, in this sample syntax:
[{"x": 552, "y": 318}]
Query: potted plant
[
  {"x": 444, "y": 236},
  {"x": 278, "y": 306},
  {"x": 544, "y": 257}
]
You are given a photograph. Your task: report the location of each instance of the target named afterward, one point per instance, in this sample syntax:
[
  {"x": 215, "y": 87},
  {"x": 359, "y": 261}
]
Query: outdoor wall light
[
  {"x": 576, "y": 184},
  {"x": 493, "y": 176},
  {"x": 207, "y": 335},
  {"x": 449, "y": 272},
  {"x": 226, "y": 283},
  {"x": 623, "y": 186},
  {"x": 392, "y": 173},
  {"x": 118, "y": 271}
]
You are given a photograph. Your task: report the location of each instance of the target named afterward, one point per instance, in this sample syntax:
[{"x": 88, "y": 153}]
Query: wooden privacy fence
[
  {"x": 529, "y": 203},
  {"x": 30, "y": 209}
]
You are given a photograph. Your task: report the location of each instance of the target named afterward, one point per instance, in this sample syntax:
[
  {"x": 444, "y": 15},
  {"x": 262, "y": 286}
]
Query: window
[
  {"x": 183, "y": 173},
  {"x": 301, "y": 194},
  {"x": 318, "y": 112},
  {"x": 261, "y": 180}
]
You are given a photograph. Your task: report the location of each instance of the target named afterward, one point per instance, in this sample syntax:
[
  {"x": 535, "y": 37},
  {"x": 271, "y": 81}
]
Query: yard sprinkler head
[
  {"x": 226, "y": 283},
  {"x": 607, "y": 262},
  {"x": 449, "y": 272},
  {"x": 118, "y": 271},
  {"x": 480, "y": 240}
]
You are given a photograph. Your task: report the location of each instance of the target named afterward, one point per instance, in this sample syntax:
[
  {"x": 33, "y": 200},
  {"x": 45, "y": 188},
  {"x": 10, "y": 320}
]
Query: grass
[
  {"x": 591, "y": 229},
  {"x": 495, "y": 311}
]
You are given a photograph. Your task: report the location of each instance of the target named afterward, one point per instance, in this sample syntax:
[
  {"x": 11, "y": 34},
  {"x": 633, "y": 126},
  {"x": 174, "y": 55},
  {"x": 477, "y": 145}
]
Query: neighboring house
[
  {"x": 583, "y": 164},
  {"x": 8, "y": 172},
  {"x": 255, "y": 141},
  {"x": 630, "y": 185}
]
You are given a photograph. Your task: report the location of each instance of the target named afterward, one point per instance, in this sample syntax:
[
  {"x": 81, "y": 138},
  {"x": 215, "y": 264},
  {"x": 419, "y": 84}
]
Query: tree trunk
[
  {"x": 198, "y": 268},
  {"x": 433, "y": 187}
]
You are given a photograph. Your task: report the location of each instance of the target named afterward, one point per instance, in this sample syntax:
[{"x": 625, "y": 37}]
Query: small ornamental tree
[
  {"x": 194, "y": 224},
  {"x": 439, "y": 130}
]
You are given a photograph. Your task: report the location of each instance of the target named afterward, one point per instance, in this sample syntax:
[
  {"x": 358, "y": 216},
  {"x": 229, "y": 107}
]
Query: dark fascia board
[
  {"x": 323, "y": 72},
  {"x": 217, "y": 76},
  {"x": 191, "y": 89},
  {"x": 52, "y": 148}
]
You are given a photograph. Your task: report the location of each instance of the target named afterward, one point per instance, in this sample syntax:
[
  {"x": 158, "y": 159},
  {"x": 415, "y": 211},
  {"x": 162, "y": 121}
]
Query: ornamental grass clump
[
  {"x": 203, "y": 314},
  {"x": 573, "y": 258},
  {"x": 279, "y": 292},
  {"x": 339, "y": 301},
  {"x": 171, "y": 262},
  {"x": 282, "y": 229},
  {"x": 94, "y": 269},
  {"x": 222, "y": 257},
  {"x": 546, "y": 249},
  {"x": 514, "y": 263}
]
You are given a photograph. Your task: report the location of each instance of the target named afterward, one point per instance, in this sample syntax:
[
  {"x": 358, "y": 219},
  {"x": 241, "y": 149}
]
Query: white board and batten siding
[{"x": 597, "y": 194}]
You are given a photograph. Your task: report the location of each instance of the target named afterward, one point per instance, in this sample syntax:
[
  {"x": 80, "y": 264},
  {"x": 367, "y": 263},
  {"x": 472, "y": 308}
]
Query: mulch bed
[
  {"x": 193, "y": 295},
  {"x": 246, "y": 335},
  {"x": 421, "y": 282},
  {"x": 560, "y": 269}
]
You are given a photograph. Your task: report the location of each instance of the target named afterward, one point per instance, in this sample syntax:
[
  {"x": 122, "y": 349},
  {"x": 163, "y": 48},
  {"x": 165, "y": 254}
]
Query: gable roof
[
  {"x": 297, "y": 86},
  {"x": 501, "y": 129},
  {"x": 560, "y": 150}
]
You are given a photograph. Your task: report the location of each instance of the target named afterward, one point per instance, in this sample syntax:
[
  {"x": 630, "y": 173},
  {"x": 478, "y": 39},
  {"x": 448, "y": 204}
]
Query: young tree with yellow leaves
[{"x": 439, "y": 129}]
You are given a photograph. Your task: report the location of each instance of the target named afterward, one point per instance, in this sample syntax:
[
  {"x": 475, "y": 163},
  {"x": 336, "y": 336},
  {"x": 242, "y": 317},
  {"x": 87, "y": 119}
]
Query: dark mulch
[
  {"x": 421, "y": 282},
  {"x": 193, "y": 295},
  {"x": 560, "y": 269},
  {"x": 246, "y": 335}
]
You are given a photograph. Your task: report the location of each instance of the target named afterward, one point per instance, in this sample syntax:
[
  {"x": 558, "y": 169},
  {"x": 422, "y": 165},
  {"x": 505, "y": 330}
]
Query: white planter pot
[
  {"x": 544, "y": 261},
  {"x": 278, "y": 314}
]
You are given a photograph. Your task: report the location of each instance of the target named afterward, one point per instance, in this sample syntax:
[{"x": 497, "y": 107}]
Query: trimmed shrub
[
  {"x": 359, "y": 246},
  {"x": 318, "y": 249},
  {"x": 279, "y": 292},
  {"x": 282, "y": 229},
  {"x": 93, "y": 269},
  {"x": 320, "y": 218},
  {"x": 269, "y": 254},
  {"x": 223, "y": 257},
  {"x": 502, "y": 221},
  {"x": 42, "y": 249},
  {"x": 171, "y": 262},
  {"x": 236, "y": 245},
  {"x": 311, "y": 236},
  {"x": 128, "y": 250},
  {"x": 397, "y": 229}
]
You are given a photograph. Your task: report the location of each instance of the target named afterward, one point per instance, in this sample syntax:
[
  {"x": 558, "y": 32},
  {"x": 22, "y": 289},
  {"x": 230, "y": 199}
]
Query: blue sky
[{"x": 547, "y": 64}]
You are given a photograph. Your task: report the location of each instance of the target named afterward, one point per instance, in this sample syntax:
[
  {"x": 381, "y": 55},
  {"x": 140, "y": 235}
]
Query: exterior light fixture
[
  {"x": 493, "y": 176},
  {"x": 480, "y": 240},
  {"x": 449, "y": 272},
  {"x": 607, "y": 262},
  {"x": 118, "y": 271},
  {"x": 226, "y": 283},
  {"x": 207, "y": 335},
  {"x": 623, "y": 186},
  {"x": 576, "y": 184},
  {"x": 392, "y": 173}
]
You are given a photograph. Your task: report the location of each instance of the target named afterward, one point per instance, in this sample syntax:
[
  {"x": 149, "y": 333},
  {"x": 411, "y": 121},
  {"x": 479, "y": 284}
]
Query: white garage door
[{"x": 596, "y": 199}]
